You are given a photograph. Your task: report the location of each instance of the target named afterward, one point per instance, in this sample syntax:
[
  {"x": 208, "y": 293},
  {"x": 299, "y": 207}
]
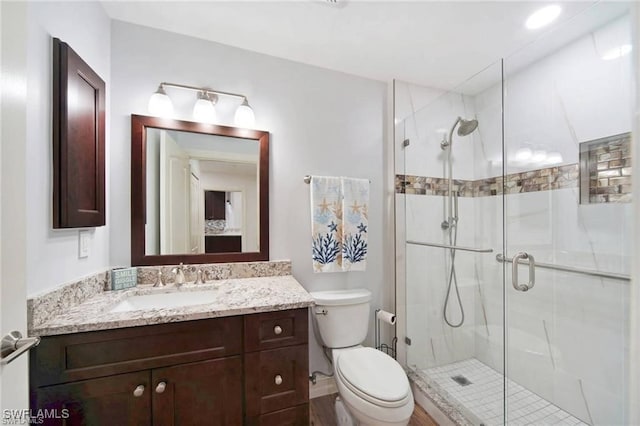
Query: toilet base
[
  {"x": 343, "y": 416},
  {"x": 361, "y": 418}
]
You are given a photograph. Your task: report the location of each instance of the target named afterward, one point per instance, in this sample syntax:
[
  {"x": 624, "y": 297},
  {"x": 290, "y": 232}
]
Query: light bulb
[
  {"x": 523, "y": 155},
  {"x": 543, "y": 17},
  {"x": 203, "y": 110},
  {"x": 617, "y": 52},
  {"x": 554, "y": 157},
  {"x": 160, "y": 104},
  {"x": 539, "y": 156},
  {"x": 244, "y": 115}
]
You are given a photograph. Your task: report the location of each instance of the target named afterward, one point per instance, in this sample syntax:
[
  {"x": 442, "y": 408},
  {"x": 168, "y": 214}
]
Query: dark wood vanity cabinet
[
  {"x": 221, "y": 371},
  {"x": 222, "y": 244}
]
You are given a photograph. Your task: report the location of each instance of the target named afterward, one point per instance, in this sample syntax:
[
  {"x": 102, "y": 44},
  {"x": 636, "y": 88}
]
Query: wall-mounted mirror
[{"x": 199, "y": 192}]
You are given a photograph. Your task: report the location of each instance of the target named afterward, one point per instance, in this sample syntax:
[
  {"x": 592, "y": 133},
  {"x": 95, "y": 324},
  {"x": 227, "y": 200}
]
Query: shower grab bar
[
  {"x": 611, "y": 275},
  {"x": 446, "y": 246}
]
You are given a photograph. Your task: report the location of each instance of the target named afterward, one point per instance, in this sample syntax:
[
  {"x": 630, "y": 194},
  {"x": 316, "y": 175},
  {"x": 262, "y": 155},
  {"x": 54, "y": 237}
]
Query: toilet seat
[{"x": 373, "y": 376}]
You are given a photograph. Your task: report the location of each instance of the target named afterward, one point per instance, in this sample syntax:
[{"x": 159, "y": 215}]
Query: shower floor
[{"x": 479, "y": 390}]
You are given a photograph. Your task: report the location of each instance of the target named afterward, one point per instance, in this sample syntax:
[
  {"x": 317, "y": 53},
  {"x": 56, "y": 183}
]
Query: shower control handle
[{"x": 532, "y": 271}]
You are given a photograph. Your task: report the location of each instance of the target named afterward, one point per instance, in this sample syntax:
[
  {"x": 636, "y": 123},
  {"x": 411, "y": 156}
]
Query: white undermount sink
[{"x": 165, "y": 300}]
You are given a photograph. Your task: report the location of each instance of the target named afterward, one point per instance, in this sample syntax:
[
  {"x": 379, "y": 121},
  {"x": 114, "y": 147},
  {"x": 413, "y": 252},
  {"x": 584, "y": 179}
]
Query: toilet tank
[{"x": 342, "y": 316}]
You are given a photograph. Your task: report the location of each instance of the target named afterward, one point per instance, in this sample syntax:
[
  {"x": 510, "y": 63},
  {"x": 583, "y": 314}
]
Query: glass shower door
[
  {"x": 567, "y": 183},
  {"x": 453, "y": 285}
]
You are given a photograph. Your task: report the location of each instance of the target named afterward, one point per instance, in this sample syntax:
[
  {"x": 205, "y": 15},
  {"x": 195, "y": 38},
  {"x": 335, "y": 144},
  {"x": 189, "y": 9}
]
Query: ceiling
[{"x": 436, "y": 44}]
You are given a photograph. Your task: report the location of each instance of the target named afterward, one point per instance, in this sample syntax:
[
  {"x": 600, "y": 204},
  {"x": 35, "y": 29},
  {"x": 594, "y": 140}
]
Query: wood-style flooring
[{"x": 322, "y": 413}]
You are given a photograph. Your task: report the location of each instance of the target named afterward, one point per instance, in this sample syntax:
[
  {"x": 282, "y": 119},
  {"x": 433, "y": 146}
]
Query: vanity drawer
[
  {"x": 276, "y": 379},
  {"x": 294, "y": 416},
  {"x": 271, "y": 330},
  {"x": 70, "y": 357}
]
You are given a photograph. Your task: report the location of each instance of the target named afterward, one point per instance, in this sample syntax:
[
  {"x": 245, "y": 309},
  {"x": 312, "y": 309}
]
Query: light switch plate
[{"x": 83, "y": 244}]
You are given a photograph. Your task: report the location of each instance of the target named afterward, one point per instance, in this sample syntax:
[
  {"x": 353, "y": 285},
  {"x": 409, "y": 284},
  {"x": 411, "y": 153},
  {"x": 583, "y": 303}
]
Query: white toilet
[{"x": 373, "y": 386}]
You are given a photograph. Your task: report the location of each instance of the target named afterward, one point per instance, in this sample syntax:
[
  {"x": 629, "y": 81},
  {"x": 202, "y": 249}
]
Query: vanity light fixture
[
  {"x": 160, "y": 103},
  {"x": 244, "y": 115},
  {"x": 543, "y": 17},
  {"x": 204, "y": 108}
]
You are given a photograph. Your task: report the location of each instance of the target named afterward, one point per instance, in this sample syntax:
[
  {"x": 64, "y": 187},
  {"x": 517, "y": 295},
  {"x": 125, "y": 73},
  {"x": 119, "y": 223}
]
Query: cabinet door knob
[
  {"x": 277, "y": 329},
  {"x": 161, "y": 387},
  {"x": 138, "y": 391},
  {"x": 278, "y": 379}
]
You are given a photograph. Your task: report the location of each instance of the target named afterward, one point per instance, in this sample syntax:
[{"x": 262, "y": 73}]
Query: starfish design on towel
[
  {"x": 324, "y": 206},
  {"x": 333, "y": 227},
  {"x": 355, "y": 208},
  {"x": 362, "y": 227}
]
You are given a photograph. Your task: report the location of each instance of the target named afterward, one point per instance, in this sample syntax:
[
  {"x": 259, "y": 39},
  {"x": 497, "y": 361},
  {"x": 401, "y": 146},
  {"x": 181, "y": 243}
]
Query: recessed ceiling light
[
  {"x": 617, "y": 52},
  {"x": 542, "y": 17}
]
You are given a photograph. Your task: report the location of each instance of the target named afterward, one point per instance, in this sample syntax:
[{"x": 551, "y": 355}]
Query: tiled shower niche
[{"x": 605, "y": 170}]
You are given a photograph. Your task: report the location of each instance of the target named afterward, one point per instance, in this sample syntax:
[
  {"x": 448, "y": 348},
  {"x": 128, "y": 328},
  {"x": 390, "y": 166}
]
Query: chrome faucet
[
  {"x": 179, "y": 271},
  {"x": 199, "y": 276},
  {"x": 160, "y": 279}
]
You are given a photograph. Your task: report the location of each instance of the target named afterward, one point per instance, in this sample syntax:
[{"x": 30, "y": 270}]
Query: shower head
[{"x": 467, "y": 126}]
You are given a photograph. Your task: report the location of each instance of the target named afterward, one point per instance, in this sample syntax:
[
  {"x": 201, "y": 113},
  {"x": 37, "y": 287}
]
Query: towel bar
[
  {"x": 610, "y": 275},
  {"x": 446, "y": 246},
  {"x": 14, "y": 345},
  {"x": 307, "y": 179}
]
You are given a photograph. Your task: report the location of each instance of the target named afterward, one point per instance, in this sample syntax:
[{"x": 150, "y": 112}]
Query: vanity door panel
[
  {"x": 202, "y": 393},
  {"x": 123, "y": 399}
]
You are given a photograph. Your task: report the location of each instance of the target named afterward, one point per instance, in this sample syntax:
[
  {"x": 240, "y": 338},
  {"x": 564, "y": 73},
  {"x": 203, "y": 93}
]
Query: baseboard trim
[{"x": 324, "y": 386}]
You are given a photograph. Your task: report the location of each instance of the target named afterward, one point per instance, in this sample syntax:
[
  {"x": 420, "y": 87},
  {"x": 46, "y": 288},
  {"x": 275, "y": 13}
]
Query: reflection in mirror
[
  {"x": 202, "y": 193},
  {"x": 174, "y": 165}
]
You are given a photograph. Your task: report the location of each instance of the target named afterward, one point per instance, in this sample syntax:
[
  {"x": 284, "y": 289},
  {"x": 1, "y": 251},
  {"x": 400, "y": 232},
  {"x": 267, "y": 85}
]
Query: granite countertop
[{"x": 233, "y": 297}]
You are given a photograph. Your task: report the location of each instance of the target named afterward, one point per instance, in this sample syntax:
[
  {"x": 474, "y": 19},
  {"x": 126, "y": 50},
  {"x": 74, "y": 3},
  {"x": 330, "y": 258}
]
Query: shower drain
[{"x": 461, "y": 380}]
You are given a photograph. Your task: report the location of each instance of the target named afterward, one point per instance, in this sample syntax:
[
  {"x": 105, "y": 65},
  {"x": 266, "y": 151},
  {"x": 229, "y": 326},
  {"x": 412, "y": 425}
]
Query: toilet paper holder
[{"x": 388, "y": 318}]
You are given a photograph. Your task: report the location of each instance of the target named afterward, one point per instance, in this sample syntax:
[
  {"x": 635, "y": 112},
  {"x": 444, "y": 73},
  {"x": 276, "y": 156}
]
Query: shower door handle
[{"x": 532, "y": 271}]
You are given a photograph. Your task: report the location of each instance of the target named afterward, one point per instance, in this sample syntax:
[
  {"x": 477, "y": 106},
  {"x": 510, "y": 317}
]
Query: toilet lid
[{"x": 373, "y": 375}]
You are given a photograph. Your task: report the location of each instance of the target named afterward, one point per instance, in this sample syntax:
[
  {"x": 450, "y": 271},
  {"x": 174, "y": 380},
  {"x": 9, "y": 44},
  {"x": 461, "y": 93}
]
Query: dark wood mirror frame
[{"x": 139, "y": 125}]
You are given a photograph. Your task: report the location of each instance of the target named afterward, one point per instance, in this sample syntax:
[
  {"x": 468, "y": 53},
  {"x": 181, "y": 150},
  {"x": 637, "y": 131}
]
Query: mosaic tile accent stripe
[
  {"x": 607, "y": 165},
  {"x": 530, "y": 181}
]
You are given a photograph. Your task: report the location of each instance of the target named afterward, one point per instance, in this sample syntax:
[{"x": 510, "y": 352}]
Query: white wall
[
  {"x": 13, "y": 250},
  {"x": 52, "y": 255},
  {"x": 320, "y": 122}
]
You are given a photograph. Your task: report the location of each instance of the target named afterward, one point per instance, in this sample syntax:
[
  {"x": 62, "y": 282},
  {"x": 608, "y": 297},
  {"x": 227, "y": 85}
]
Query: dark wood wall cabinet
[
  {"x": 214, "y": 205},
  {"x": 250, "y": 370},
  {"x": 78, "y": 141}
]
